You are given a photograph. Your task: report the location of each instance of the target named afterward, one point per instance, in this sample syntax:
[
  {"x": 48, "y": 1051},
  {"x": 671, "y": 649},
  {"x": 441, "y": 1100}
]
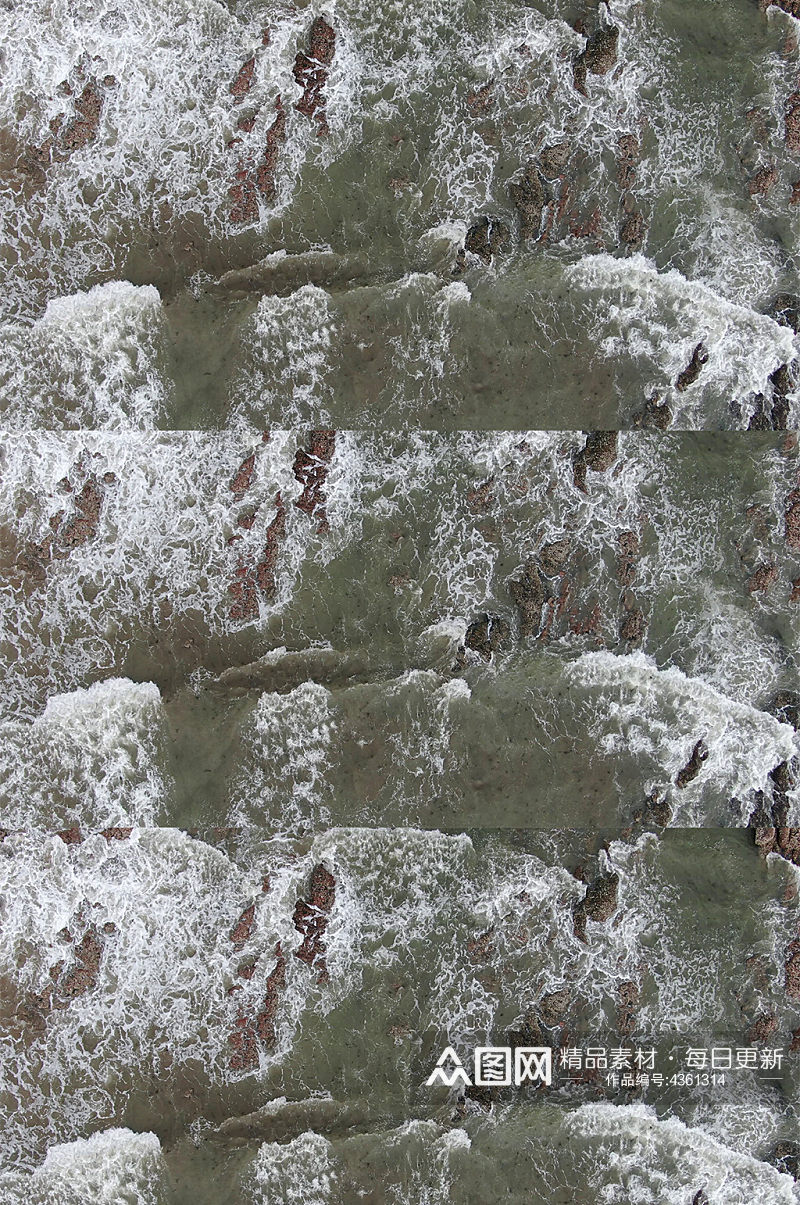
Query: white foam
[
  {"x": 286, "y": 345},
  {"x": 110, "y": 1167},
  {"x": 644, "y": 1160},
  {"x": 93, "y": 758},
  {"x": 299, "y": 1172},
  {"x": 658, "y": 715},
  {"x": 287, "y": 758},
  {"x": 658, "y": 318},
  {"x": 91, "y": 360}
]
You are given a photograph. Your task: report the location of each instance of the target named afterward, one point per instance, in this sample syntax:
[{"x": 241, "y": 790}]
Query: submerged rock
[
  {"x": 598, "y": 453},
  {"x": 598, "y": 57},
  {"x": 553, "y": 556},
  {"x": 554, "y": 1006},
  {"x": 244, "y": 80},
  {"x": 255, "y": 183},
  {"x": 792, "y": 122},
  {"x": 786, "y": 1157},
  {"x": 529, "y": 199},
  {"x": 241, "y": 931},
  {"x": 254, "y": 579},
  {"x": 628, "y": 994},
  {"x": 655, "y": 415},
  {"x": 311, "y": 470},
  {"x": 791, "y": 518},
  {"x": 762, "y": 578},
  {"x": 529, "y": 595},
  {"x": 601, "y": 51},
  {"x": 554, "y": 158}
]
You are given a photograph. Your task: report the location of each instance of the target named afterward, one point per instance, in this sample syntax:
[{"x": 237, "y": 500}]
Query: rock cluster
[
  {"x": 251, "y": 1033},
  {"x": 598, "y": 904},
  {"x": 598, "y": 57},
  {"x": 311, "y": 918},
  {"x": 792, "y": 121},
  {"x": 599, "y": 453},
  {"x": 76, "y": 975},
  {"x": 255, "y": 181},
  {"x": 76, "y": 524},
  {"x": 70, "y": 133},
  {"x": 311, "y": 470},
  {"x": 486, "y": 238},
  {"x": 311, "y": 70},
  {"x": 487, "y": 634}
]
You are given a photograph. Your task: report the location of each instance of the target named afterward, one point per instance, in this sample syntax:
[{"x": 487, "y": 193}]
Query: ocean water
[
  {"x": 477, "y": 216},
  {"x": 437, "y": 630},
  {"x": 399, "y": 602},
  {"x": 133, "y": 1084}
]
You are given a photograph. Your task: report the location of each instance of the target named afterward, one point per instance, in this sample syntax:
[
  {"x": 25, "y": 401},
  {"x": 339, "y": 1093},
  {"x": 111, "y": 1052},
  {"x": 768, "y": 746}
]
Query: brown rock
[
  {"x": 276, "y": 983},
  {"x": 601, "y": 450},
  {"x": 598, "y": 453},
  {"x": 600, "y": 901},
  {"x": 311, "y": 470},
  {"x": 244, "y": 80},
  {"x": 692, "y": 370},
  {"x": 628, "y": 994},
  {"x": 693, "y": 766},
  {"x": 480, "y": 101},
  {"x": 243, "y": 477},
  {"x": 762, "y": 578},
  {"x": 255, "y": 183},
  {"x": 486, "y": 238},
  {"x": 762, "y": 1028},
  {"x": 628, "y": 155},
  {"x": 628, "y": 544},
  {"x": 792, "y": 519},
  {"x": 241, "y": 931},
  {"x": 554, "y": 158},
  {"x": 632, "y": 230},
  {"x": 553, "y": 1007},
  {"x": 601, "y": 50},
  {"x": 553, "y": 556},
  {"x": 487, "y": 635},
  {"x": 254, "y": 580},
  {"x": 633, "y": 626},
  {"x": 311, "y": 72},
  {"x": 792, "y": 970},
  {"x": 763, "y": 182},
  {"x": 786, "y": 1158},
  {"x": 311, "y": 919},
  {"x": 598, "y": 904},
  {"x": 79, "y": 976},
  {"x": 71, "y": 836},
  {"x": 655, "y": 414},
  {"x": 792, "y": 121}
]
